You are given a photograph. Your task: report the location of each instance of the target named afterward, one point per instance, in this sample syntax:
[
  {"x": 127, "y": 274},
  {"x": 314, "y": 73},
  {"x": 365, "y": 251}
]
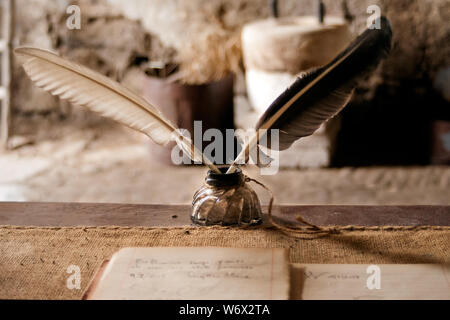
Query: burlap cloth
[{"x": 34, "y": 261}]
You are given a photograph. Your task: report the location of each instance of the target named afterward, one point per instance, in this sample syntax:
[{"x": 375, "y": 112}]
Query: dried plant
[{"x": 211, "y": 55}]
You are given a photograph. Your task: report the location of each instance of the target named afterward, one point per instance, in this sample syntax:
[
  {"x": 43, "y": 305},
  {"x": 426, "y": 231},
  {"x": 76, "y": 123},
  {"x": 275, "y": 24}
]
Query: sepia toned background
[{"x": 392, "y": 145}]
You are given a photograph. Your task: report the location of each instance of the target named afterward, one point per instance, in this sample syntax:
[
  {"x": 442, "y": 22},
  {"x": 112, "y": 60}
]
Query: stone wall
[
  {"x": 391, "y": 117},
  {"x": 108, "y": 41},
  {"x": 115, "y": 34},
  {"x": 421, "y": 28}
]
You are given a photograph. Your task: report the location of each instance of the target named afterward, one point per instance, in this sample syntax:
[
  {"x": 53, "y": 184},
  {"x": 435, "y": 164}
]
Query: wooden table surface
[{"x": 153, "y": 215}]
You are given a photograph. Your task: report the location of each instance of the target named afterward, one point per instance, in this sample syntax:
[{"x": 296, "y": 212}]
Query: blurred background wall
[{"x": 391, "y": 120}]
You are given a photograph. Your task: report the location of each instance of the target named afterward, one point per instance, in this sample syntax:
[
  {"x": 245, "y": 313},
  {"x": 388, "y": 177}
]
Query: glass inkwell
[{"x": 226, "y": 199}]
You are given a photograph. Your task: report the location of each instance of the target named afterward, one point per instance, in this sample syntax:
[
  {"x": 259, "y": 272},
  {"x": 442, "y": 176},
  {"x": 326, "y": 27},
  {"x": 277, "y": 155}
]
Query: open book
[
  {"x": 370, "y": 282},
  {"x": 256, "y": 274},
  {"x": 193, "y": 273}
]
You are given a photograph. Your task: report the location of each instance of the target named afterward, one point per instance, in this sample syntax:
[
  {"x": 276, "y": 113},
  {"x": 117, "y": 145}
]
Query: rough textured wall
[
  {"x": 32, "y": 27},
  {"x": 391, "y": 116},
  {"x": 109, "y": 42},
  {"x": 421, "y": 27}
]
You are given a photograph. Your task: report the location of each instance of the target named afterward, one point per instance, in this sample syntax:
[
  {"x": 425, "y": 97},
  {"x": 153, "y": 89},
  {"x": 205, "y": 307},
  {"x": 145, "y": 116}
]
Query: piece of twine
[{"x": 311, "y": 230}]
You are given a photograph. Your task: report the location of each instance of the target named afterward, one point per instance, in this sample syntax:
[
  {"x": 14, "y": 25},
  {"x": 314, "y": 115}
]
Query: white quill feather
[{"x": 87, "y": 88}]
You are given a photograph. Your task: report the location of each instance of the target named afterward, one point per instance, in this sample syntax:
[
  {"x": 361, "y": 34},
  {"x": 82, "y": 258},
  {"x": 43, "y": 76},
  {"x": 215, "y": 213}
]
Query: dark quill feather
[{"x": 322, "y": 93}]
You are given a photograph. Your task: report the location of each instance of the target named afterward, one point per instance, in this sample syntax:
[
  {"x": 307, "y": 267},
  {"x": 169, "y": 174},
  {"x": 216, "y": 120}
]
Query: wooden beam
[{"x": 152, "y": 215}]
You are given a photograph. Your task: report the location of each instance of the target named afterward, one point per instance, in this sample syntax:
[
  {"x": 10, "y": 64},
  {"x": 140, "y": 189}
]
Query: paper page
[
  {"x": 370, "y": 282},
  {"x": 195, "y": 273}
]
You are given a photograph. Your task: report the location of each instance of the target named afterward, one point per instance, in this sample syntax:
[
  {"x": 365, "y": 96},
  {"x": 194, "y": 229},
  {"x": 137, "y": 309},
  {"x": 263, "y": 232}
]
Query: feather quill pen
[
  {"x": 320, "y": 94},
  {"x": 85, "y": 87}
]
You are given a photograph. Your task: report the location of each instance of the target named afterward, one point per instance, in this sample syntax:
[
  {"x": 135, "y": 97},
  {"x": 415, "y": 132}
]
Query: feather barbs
[{"x": 84, "y": 87}]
